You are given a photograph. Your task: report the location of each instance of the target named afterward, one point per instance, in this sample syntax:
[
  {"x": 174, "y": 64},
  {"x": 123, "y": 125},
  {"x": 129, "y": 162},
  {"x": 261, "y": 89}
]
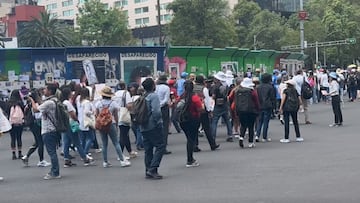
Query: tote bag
[
  {"x": 89, "y": 120},
  {"x": 124, "y": 114},
  {"x": 5, "y": 125}
]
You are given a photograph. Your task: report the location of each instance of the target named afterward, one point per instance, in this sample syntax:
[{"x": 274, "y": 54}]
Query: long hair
[
  {"x": 84, "y": 94},
  {"x": 188, "y": 93},
  {"x": 15, "y": 98}
]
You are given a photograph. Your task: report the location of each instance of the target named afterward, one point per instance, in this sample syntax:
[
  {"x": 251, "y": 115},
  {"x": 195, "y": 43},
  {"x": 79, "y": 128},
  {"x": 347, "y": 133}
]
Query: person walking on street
[
  {"x": 163, "y": 91},
  {"x": 290, "y": 103},
  {"x": 300, "y": 78},
  {"x": 48, "y": 130},
  {"x": 153, "y": 139}
]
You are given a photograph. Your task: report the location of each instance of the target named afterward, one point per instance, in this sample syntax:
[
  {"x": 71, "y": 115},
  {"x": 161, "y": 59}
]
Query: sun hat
[
  {"x": 220, "y": 76},
  {"x": 339, "y": 71},
  {"x": 333, "y": 75},
  {"x": 291, "y": 82},
  {"x": 247, "y": 83},
  {"x": 106, "y": 92}
]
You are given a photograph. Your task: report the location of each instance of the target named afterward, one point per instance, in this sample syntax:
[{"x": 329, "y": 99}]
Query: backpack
[
  {"x": 221, "y": 95},
  {"x": 306, "y": 90},
  {"x": 182, "y": 111},
  {"x": 352, "y": 80},
  {"x": 243, "y": 100},
  {"x": 61, "y": 123},
  {"x": 16, "y": 115},
  {"x": 104, "y": 119},
  {"x": 29, "y": 117},
  {"x": 292, "y": 100},
  {"x": 139, "y": 112}
]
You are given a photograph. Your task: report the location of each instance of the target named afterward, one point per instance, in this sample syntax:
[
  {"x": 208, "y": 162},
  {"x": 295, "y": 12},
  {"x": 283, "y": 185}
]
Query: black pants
[
  {"x": 165, "y": 117},
  {"x": 205, "y": 123},
  {"x": 39, "y": 144},
  {"x": 124, "y": 138},
  {"x": 335, "y": 102},
  {"x": 190, "y": 129},
  {"x": 293, "y": 115},
  {"x": 16, "y": 134},
  {"x": 247, "y": 121}
]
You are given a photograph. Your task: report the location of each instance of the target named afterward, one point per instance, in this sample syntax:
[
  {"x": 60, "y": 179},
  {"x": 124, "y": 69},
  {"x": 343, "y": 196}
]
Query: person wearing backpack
[
  {"x": 48, "y": 128},
  {"x": 192, "y": 106},
  {"x": 151, "y": 129},
  {"x": 221, "y": 108},
  {"x": 267, "y": 99},
  {"x": 16, "y": 118},
  {"x": 35, "y": 128},
  {"x": 247, "y": 108},
  {"x": 107, "y": 122},
  {"x": 300, "y": 79},
  {"x": 290, "y": 103}
]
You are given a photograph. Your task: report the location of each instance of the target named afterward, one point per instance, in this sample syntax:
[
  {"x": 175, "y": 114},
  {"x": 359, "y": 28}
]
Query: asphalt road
[{"x": 324, "y": 168}]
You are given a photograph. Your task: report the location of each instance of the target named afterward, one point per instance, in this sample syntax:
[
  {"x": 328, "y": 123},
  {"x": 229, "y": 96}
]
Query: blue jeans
[
  {"x": 68, "y": 138},
  {"x": 153, "y": 139},
  {"x": 217, "y": 113},
  {"x": 88, "y": 139},
  {"x": 51, "y": 140},
  {"x": 139, "y": 140},
  {"x": 264, "y": 119},
  {"x": 114, "y": 139}
]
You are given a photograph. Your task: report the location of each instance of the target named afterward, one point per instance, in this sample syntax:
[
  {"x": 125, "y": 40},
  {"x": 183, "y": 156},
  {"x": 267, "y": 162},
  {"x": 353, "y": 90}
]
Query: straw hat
[
  {"x": 106, "y": 92},
  {"x": 247, "y": 83}
]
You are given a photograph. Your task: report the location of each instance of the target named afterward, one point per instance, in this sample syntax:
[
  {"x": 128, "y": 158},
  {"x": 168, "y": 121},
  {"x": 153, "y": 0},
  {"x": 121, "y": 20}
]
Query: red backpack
[{"x": 104, "y": 120}]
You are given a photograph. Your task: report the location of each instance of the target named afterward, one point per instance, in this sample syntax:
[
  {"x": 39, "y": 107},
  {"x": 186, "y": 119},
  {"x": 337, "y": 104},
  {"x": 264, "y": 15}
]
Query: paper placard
[
  {"x": 90, "y": 72},
  {"x": 324, "y": 92},
  {"x": 49, "y": 78},
  {"x": 24, "y": 78},
  {"x": 38, "y": 83},
  {"x": 57, "y": 73},
  {"x": 112, "y": 82}
]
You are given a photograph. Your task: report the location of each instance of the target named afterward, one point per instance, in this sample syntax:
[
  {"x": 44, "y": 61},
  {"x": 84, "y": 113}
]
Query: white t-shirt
[
  {"x": 119, "y": 98},
  {"x": 87, "y": 108},
  {"x": 69, "y": 107},
  {"x": 324, "y": 80},
  {"x": 282, "y": 87}
]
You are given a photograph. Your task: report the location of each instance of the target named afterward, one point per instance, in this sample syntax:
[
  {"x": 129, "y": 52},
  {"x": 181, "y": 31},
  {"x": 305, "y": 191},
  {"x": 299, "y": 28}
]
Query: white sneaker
[
  {"x": 43, "y": 163},
  {"x": 237, "y": 136},
  {"x": 299, "y": 139},
  {"x": 263, "y": 140},
  {"x": 284, "y": 140},
  {"x": 1, "y": 179},
  {"x": 125, "y": 163},
  {"x": 251, "y": 145},
  {"x": 333, "y": 125},
  {"x": 256, "y": 138},
  {"x": 107, "y": 165},
  {"x": 133, "y": 154},
  {"x": 193, "y": 164},
  {"x": 98, "y": 150},
  {"x": 268, "y": 139},
  {"x": 291, "y": 123},
  {"x": 125, "y": 158},
  {"x": 89, "y": 157}
]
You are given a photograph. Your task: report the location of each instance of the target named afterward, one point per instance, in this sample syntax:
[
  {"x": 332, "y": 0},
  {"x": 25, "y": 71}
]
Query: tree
[
  {"x": 101, "y": 26},
  {"x": 201, "y": 23},
  {"x": 45, "y": 32}
]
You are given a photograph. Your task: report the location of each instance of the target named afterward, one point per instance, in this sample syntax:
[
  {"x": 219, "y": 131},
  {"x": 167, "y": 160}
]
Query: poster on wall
[
  {"x": 90, "y": 72},
  {"x": 134, "y": 66},
  {"x": 174, "y": 70},
  {"x": 89, "y": 66},
  {"x": 229, "y": 66}
]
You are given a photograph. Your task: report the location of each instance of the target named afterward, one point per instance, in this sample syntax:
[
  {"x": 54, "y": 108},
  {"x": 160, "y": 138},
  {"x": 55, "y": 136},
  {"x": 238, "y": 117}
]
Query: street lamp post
[{"x": 302, "y": 28}]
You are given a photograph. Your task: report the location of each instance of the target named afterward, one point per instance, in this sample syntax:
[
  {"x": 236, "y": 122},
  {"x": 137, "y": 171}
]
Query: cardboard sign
[{"x": 90, "y": 72}]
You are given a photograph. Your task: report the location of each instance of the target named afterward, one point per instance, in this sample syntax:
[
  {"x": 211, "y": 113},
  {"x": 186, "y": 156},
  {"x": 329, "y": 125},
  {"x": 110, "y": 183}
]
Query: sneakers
[
  {"x": 43, "y": 163},
  {"x": 251, "y": 145},
  {"x": 263, "y": 140},
  {"x": 197, "y": 149},
  {"x": 133, "y": 154},
  {"x": 333, "y": 125},
  {"x": 153, "y": 175},
  {"x": 125, "y": 163},
  {"x": 98, "y": 150},
  {"x": 1, "y": 179},
  {"x": 241, "y": 142},
  {"x": 68, "y": 164},
  {"x": 284, "y": 140},
  {"x": 237, "y": 136},
  {"x": 282, "y": 121},
  {"x": 229, "y": 139},
  {"x": 125, "y": 158},
  {"x": 89, "y": 162},
  {"x": 193, "y": 164},
  {"x": 256, "y": 138},
  {"x": 213, "y": 148},
  {"x": 25, "y": 160},
  {"x": 50, "y": 177},
  {"x": 299, "y": 139},
  {"x": 88, "y": 156},
  {"x": 107, "y": 165}
]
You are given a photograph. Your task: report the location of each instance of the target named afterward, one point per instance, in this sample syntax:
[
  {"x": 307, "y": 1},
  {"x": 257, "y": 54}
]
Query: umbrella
[{"x": 352, "y": 66}]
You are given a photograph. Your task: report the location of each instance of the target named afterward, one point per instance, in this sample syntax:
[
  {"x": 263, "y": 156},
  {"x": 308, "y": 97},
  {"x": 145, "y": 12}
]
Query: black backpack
[
  {"x": 139, "y": 113},
  {"x": 29, "y": 117},
  {"x": 182, "y": 111},
  {"x": 292, "y": 100},
  {"x": 61, "y": 122},
  {"x": 243, "y": 100},
  {"x": 221, "y": 94},
  {"x": 306, "y": 90}
]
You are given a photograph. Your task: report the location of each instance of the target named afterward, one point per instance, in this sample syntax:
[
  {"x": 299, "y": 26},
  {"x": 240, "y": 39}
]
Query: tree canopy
[{"x": 101, "y": 26}]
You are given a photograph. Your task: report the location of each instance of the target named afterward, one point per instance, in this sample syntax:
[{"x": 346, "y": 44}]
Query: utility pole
[
  {"x": 302, "y": 38},
  {"x": 159, "y": 22}
]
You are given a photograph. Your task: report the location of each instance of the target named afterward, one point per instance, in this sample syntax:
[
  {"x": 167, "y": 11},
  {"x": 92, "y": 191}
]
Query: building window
[
  {"x": 106, "y": 6},
  {"x": 142, "y": 21},
  {"x": 162, "y": 6},
  {"x": 68, "y": 13},
  {"x": 141, "y": 10},
  {"x": 67, "y": 3},
  {"x": 51, "y": 6},
  {"x": 140, "y": 1},
  {"x": 120, "y": 3},
  {"x": 53, "y": 15},
  {"x": 166, "y": 17}
]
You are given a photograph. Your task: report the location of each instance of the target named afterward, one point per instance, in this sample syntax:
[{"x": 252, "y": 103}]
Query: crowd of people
[{"x": 192, "y": 104}]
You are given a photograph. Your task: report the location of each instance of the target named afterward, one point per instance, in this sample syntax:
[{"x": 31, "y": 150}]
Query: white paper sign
[
  {"x": 49, "y": 78},
  {"x": 90, "y": 72}
]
